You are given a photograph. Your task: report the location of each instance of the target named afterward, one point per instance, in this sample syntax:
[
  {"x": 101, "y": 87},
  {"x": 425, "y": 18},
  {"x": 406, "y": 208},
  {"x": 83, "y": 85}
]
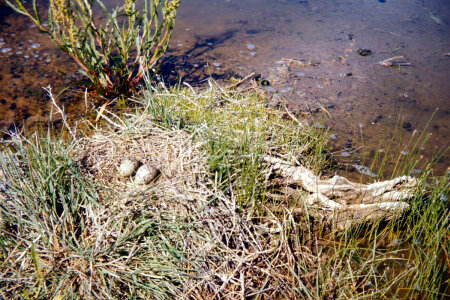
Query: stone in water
[
  {"x": 345, "y": 154},
  {"x": 364, "y": 52},
  {"x": 285, "y": 90},
  {"x": 364, "y": 170}
]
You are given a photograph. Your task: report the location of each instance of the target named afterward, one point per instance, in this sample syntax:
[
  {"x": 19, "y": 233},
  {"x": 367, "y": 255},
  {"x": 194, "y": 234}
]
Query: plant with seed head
[{"x": 114, "y": 56}]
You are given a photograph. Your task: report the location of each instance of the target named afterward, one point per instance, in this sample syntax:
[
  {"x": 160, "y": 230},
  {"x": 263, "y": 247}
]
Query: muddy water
[
  {"x": 307, "y": 50},
  {"x": 29, "y": 61}
]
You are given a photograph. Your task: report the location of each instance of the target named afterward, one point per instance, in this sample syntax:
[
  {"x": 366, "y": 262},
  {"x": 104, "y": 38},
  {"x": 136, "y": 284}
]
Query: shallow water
[{"x": 364, "y": 101}]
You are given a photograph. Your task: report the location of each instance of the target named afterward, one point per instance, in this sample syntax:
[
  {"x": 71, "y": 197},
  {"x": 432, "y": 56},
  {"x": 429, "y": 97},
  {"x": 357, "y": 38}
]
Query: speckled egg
[
  {"x": 146, "y": 174},
  {"x": 128, "y": 166}
]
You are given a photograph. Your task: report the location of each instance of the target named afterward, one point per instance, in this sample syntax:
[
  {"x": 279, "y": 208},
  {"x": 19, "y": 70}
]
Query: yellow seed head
[
  {"x": 129, "y": 6},
  {"x": 171, "y": 10},
  {"x": 64, "y": 16}
]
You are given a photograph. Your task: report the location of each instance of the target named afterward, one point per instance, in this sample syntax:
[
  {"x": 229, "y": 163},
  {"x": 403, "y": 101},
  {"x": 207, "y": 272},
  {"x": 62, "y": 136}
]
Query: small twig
[
  {"x": 99, "y": 114},
  {"x": 295, "y": 61},
  {"x": 302, "y": 63},
  {"x": 110, "y": 121},
  {"x": 85, "y": 102},
  {"x": 392, "y": 58},
  {"x": 325, "y": 110},
  {"x": 248, "y": 77},
  {"x": 374, "y": 82},
  {"x": 292, "y": 116},
  {"x": 242, "y": 279},
  {"x": 252, "y": 86},
  {"x": 260, "y": 292},
  {"x": 388, "y": 32},
  {"x": 190, "y": 87},
  {"x": 60, "y": 111},
  {"x": 394, "y": 50},
  {"x": 389, "y": 62}
]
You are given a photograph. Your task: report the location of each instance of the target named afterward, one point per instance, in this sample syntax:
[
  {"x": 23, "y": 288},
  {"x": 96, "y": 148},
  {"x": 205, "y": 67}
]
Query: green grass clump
[
  {"x": 239, "y": 129},
  {"x": 60, "y": 237}
]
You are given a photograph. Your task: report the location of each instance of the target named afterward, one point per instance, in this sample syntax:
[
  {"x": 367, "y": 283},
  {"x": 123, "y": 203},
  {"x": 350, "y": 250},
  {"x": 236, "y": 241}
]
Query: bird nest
[{"x": 183, "y": 175}]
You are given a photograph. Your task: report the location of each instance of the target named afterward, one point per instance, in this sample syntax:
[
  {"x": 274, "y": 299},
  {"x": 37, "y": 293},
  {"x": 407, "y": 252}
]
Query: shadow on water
[
  {"x": 190, "y": 65},
  {"x": 5, "y": 12}
]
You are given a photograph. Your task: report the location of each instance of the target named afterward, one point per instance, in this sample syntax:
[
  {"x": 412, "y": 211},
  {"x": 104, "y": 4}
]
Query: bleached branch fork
[{"x": 345, "y": 201}]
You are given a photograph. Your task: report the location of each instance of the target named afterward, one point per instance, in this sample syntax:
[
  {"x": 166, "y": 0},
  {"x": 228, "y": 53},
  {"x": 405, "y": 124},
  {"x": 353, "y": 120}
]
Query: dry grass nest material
[
  {"x": 234, "y": 254},
  {"x": 182, "y": 164}
]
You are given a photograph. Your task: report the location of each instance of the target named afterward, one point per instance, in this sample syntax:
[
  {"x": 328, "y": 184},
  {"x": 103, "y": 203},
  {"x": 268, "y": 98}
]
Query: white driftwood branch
[{"x": 345, "y": 201}]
